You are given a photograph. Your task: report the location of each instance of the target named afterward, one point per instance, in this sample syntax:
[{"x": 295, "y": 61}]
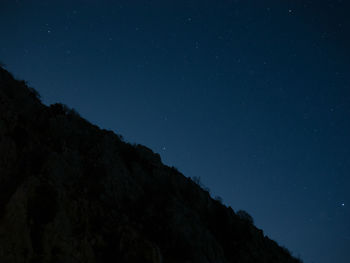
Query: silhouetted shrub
[
  {"x": 207, "y": 189},
  {"x": 245, "y": 216},
  {"x": 173, "y": 168},
  {"x": 130, "y": 155},
  {"x": 197, "y": 180},
  {"x": 218, "y": 198},
  {"x": 62, "y": 109},
  {"x": 58, "y": 109},
  {"x": 286, "y": 250},
  {"x": 72, "y": 112},
  {"x": 298, "y": 258},
  {"x": 34, "y": 93}
]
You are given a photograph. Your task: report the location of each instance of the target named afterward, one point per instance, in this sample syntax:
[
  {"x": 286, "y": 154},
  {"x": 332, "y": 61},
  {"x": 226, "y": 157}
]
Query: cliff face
[{"x": 71, "y": 192}]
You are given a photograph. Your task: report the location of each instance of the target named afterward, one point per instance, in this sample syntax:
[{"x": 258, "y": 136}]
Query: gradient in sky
[{"x": 252, "y": 96}]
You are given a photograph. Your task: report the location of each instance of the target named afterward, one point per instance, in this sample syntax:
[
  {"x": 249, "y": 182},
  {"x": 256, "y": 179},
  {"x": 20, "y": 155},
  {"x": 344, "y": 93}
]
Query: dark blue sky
[{"x": 252, "y": 96}]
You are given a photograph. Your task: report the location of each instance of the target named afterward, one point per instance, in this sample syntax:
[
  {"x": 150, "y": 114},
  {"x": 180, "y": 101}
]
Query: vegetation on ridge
[{"x": 71, "y": 192}]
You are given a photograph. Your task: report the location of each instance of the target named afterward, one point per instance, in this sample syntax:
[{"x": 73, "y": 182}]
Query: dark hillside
[{"x": 71, "y": 192}]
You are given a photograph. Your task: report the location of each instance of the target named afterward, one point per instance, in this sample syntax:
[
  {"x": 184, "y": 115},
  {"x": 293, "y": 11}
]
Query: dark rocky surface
[{"x": 72, "y": 192}]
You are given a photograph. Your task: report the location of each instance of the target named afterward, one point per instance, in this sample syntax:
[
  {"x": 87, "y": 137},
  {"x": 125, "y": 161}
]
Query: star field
[{"x": 252, "y": 96}]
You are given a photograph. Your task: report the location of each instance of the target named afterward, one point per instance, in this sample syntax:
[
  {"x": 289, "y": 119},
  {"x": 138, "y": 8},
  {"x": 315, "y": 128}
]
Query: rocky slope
[{"x": 71, "y": 192}]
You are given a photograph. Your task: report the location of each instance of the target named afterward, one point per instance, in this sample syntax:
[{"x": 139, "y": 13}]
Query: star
[
  {"x": 197, "y": 45},
  {"x": 342, "y": 204}
]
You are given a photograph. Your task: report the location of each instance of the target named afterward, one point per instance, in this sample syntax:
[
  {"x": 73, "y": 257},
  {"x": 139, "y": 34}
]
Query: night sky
[{"x": 252, "y": 96}]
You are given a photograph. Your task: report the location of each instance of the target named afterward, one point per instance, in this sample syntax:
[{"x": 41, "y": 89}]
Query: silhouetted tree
[{"x": 245, "y": 216}]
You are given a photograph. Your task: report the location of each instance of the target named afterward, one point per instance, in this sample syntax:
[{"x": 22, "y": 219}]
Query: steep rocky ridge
[{"x": 72, "y": 192}]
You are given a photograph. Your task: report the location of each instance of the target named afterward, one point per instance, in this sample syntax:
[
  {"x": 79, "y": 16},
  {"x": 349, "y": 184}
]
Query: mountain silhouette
[{"x": 71, "y": 192}]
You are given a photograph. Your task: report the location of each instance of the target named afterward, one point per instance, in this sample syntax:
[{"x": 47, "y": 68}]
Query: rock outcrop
[{"x": 71, "y": 192}]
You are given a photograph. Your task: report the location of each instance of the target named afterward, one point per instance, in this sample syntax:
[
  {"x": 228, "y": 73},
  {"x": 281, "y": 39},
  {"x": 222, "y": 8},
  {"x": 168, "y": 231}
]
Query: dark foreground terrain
[{"x": 71, "y": 192}]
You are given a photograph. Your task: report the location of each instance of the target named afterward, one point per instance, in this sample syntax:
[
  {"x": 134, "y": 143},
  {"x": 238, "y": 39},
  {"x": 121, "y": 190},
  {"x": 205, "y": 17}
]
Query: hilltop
[{"x": 72, "y": 192}]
